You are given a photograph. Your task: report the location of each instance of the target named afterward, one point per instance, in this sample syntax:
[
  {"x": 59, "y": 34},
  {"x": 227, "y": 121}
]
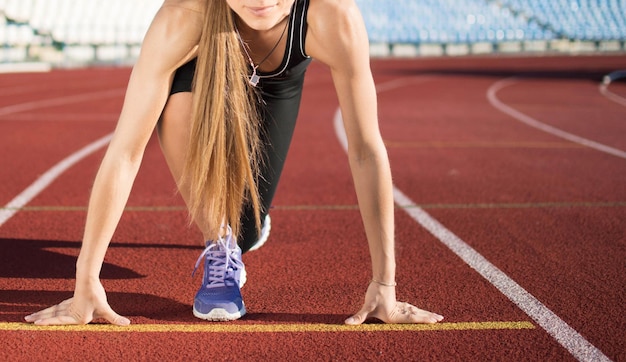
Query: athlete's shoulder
[
  {"x": 335, "y": 26},
  {"x": 173, "y": 36}
]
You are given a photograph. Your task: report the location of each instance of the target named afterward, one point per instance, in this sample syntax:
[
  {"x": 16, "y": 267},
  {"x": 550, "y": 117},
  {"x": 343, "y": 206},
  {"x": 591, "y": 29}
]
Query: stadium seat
[{"x": 122, "y": 23}]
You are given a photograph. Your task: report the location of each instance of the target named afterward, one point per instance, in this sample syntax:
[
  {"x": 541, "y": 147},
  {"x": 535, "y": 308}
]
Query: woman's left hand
[{"x": 381, "y": 303}]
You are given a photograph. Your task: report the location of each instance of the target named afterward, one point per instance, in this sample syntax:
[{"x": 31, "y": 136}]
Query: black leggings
[{"x": 279, "y": 111}]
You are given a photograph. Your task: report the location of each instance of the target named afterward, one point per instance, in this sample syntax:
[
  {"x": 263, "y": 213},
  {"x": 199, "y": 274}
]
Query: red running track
[{"x": 521, "y": 244}]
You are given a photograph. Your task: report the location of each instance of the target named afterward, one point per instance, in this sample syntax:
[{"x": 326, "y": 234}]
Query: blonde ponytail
[{"x": 221, "y": 166}]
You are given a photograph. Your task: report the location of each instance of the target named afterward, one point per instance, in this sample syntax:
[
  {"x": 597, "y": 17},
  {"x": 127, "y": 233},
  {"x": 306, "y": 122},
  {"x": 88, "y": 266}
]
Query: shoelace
[{"x": 218, "y": 262}]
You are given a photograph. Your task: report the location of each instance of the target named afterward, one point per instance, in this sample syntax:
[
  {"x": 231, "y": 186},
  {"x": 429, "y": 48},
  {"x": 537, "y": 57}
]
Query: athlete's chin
[
  {"x": 261, "y": 18},
  {"x": 259, "y": 25}
]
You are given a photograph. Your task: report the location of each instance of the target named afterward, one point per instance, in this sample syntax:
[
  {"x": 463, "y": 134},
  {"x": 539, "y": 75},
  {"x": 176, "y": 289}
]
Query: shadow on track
[
  {"x": 18, "y": 303},
  {"x": 142, "y": 308},
  {"x": 33, "y": 259}
]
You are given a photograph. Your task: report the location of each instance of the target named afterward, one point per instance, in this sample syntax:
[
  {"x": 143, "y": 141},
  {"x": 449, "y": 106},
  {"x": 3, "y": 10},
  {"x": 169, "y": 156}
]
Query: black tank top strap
[
  {"x": 295, "y": 48},
  {"x": 300, "y": 28}
]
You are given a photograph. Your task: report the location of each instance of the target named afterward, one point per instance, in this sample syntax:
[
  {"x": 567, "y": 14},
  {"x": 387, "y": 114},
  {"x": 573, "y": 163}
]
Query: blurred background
[{"x": 66, "y": 33}]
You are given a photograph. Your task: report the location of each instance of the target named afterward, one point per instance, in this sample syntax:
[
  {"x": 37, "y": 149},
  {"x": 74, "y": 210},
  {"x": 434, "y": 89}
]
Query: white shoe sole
[
  {"x": 220, "y": 315},
  {"x": 265, "y": 233},
  {"x": 243, "y": 277}
]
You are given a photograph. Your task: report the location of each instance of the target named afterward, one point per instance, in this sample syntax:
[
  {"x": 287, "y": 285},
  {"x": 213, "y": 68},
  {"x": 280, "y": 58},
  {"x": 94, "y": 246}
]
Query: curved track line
[
  {"x": 604, "y": 90},
  {"x": 565, "y": 335},
  {"x": 47, "y": 178},
  {"x": 493, "y": 99},
  {"x": 607, "y": 80}
]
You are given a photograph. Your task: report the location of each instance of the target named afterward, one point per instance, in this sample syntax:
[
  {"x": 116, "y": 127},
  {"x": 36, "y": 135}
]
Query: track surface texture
[{"x": 510, "y": 221}]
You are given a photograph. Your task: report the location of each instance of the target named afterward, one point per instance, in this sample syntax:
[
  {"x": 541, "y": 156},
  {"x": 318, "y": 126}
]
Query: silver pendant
[{"x": 254, "y": 78}]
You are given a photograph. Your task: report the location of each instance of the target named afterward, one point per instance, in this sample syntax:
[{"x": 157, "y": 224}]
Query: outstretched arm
[
  {"x": 170, "y": 41},
  {"x": 340, "y": 41}
]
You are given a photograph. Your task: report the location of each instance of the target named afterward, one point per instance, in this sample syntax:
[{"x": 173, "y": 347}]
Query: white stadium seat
[{"x": 113, "y": 24}]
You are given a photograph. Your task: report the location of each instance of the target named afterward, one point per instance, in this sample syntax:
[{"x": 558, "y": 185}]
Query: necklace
[{"x": 254, "y": 78}]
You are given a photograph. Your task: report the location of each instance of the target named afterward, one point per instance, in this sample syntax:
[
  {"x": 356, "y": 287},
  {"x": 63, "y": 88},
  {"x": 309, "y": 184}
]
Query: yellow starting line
[{"x": 269, "y": 328}]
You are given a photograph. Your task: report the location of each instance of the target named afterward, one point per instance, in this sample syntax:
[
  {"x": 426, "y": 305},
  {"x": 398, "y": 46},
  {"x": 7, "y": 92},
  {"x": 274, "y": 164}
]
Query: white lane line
[
  {"x": 493, "y": 99},
  {"x": 47, "y": 178},
  {"x": 568, "y": 337},
  {"x": 59, "y": 101},
  {"x": 565, "y": 335}
]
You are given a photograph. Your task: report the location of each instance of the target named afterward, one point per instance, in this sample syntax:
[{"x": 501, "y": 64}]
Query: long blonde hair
[{"x": 221, "y": 166}]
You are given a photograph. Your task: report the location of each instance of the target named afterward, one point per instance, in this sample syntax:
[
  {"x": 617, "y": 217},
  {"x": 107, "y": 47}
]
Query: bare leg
[{"x": 173, "y": 130}]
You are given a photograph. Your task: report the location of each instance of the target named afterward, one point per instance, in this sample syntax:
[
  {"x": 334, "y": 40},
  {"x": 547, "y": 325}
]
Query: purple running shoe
[{"x": 219, "y": 297}]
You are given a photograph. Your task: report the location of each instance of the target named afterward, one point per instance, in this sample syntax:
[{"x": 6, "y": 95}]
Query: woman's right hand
[{"x": 89, "y": 303}]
